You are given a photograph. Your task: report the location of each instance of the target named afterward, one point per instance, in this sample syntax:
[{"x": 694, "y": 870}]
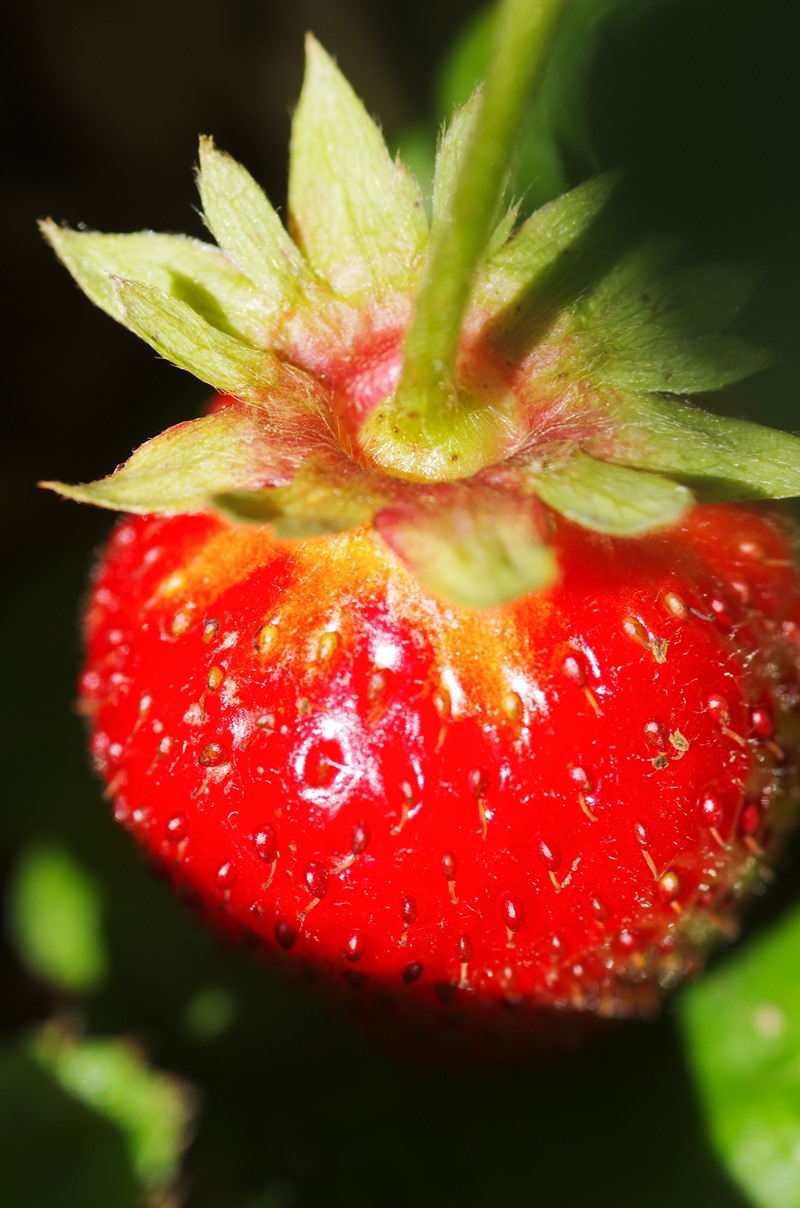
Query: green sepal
[
  {"x": 314, "y": 503},
  {"x": 179, "y": 333},
  {"x": 191, "y": 271},
  {"x": 357, "y": 215},
  {"x": 611, "y": 499},
  {"x": 720, "y": 459},
  {"x": 449, "y": 158},
  {"x": 646, "y": 326},
  {"x": 683, "y": 366},
  {"x": 249, "y": 230},
  {"x": 183, "y": 468},
  {"x": 544, "y": 242},
  {"x": 475, "y": 550}
]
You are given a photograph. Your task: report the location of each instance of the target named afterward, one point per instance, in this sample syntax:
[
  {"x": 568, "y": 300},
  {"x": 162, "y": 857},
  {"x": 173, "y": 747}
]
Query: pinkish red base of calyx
[{"x": 557, "y": 803}]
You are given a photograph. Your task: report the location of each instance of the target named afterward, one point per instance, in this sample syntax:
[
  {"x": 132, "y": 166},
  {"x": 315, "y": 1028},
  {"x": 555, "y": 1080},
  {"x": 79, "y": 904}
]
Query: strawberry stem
[
  {"x": 436, "y": 432},
  {"x": 523, "y": 34}
]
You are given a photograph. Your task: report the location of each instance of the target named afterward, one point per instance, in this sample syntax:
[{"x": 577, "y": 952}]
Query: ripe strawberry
[
  {"x": 562, "y": 799},
  {"x": 421, "y": 661}
]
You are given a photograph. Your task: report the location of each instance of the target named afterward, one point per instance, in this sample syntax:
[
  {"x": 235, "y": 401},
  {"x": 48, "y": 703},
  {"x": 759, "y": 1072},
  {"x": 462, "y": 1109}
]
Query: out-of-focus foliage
[
  {"x": 742, "y": 1028},
  {"x": 54, "y": 919},
  {"x": 87, "y": 1122}
]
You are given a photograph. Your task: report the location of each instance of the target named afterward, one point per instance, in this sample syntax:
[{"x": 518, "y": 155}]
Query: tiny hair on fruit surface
[{"x": 454, "y": 651}]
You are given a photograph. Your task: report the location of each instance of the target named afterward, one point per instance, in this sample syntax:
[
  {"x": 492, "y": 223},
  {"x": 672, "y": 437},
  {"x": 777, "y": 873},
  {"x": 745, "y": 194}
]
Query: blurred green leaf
[
  {"x": 210, "y": 1013},
  {"x": 54, "y": 1151},
  {"x": 55, "y": 920},
  {"x": 151, "y": 1110},
  {"x": 742, "y": 1029}
]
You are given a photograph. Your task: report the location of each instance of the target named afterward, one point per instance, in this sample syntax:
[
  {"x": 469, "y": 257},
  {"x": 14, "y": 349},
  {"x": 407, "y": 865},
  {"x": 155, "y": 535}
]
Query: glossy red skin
[{"x": 465, "y": 806}]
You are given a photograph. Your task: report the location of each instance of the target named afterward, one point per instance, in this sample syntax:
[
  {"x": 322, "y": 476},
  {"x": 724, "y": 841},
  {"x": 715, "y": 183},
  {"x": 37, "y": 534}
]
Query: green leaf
[
  {"x": 183, "y": 336},
  {"x": 540, "y": 271},
  {"x": 546, "y": 238},
  {"x": 646, "y": 326},
  {"x": 719, "y": 458},
  {"x": 477, "y": 552},
  {"x": 742, "y": 1030},
  {"x": 152, "y": 1110},
  {"x": 55, "y": 920},
  {"x": 246, "y": 226},
  {"x": 357, "y": 215},
  {"x": 180, "y": 470},
  {"x": 191, "y": 271},
  {"x": 610, "y": 498}
]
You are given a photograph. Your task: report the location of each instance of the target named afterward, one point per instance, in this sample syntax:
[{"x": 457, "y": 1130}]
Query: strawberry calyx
[{"x": 446, "y": 380}]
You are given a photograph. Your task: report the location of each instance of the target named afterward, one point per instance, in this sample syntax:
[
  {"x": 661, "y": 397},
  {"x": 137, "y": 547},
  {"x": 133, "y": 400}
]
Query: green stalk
[
  {"x": 523, "y": 35},
  {"x": 430, "y": 431}
]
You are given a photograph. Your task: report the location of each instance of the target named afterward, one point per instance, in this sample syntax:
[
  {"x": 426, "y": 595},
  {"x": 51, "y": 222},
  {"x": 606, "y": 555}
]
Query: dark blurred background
[{"x": 103, "y": 103}]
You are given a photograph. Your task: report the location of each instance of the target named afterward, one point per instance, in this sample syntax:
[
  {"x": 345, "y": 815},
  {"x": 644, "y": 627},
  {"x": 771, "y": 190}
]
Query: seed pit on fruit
[
  {"x": 328, "y": 645},
  {"x": 761, "y": 722},
  {"x": 213, "y": 755},
  {"x": 266, "y": 844},
  {"x": 721, "y": 613},
  {"x": 550, "y": 857},
  {"x": 360, "y": 838},
  {"x": 512, "y": 706},
  {"x": 585, "y": 786},
  {"x": 214, "y": 678},
  {"x": 719, "y": 709},
  {"x": 265, "y": 638},
  {"x": 513, "y": 915},
  {"x": 227, "y": 875},
  {"x": 478, "y": 780},
  {"x": 464, "y": 948},
  {"x": 181, "y": 623},
  {"x": 405, "y": 809},
  {"x": 574, "y": 667},
  {"x": 642, "y": 833},
  {"x": 177, "y": 828},
  {"x": 669, "y": 886},
  {"x": 315, "y": 875},
  {"x": 285, "y": 934},
  {"x": 355, "y": 945},
  {"x": 675, "y": 606},
  {"x": 320, "y": 762},
  {"x": 656, "y": 733},
  {"x": 635, "y": 630}
]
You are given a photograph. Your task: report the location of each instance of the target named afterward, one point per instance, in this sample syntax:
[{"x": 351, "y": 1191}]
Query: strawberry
[
  {"x": 437, "y": 655},
  {"x": 561, "y": 799}
]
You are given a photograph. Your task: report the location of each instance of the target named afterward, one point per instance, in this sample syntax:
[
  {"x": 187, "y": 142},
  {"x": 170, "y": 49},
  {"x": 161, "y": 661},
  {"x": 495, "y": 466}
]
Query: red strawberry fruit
[
  {"x": 561, "y": 799},
  {"x": 436, "y": 655}
]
